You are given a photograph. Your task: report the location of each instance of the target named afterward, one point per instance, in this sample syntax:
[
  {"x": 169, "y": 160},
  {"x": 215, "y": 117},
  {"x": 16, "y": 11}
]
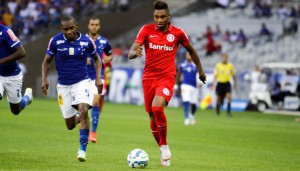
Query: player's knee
[
  {"x": 157, "y": 109},
  {"x": 15, "y": 111},
  {"x": 96, "y": 100},
  {"x": 151, "y": 116},
  {"x": 83, "y": 109},
  {"x": 71, "y": 126}
]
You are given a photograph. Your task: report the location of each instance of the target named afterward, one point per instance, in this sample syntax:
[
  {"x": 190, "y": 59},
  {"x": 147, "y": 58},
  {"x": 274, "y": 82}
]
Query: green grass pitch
[{"x": 37, "y": 139}]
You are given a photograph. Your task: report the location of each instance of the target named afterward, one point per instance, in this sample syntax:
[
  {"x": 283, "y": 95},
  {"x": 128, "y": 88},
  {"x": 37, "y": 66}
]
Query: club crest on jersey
[
  {"x": 166, "y": 91},
  {"x": 170, "y": 37}
]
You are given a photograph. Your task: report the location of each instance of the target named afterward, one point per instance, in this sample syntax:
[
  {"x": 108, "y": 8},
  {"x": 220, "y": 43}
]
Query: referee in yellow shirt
[{"x": 223, "y": 73}]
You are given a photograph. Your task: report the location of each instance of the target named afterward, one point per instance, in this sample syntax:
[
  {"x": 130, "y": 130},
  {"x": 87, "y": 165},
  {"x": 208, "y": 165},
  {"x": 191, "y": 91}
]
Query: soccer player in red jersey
[{"x": 160, "y": 41}]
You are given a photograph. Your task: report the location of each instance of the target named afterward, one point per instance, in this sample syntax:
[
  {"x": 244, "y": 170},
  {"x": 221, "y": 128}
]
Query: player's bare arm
[
  {"x": 178, "y": 80},
  {"x": 136, "y": 50},
  {"x": 178, "y": 77},
  {"x": 45, "y": 68},
  {"x": 108, "y": 58},
  {"x": 98, "y": 67},
  {"x": 89, "y": 61},
  {"x": 235, "y": 82},
  {"x": 18, "y": 54},
  {"x": 197, "y": 62}
]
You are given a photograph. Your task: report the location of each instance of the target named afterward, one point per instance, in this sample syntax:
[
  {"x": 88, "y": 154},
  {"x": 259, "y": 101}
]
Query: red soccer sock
[
  {"x": 101, "y": 104},
  {"x": 154, "y": 131},
  {"x": 161, "y": 124}
]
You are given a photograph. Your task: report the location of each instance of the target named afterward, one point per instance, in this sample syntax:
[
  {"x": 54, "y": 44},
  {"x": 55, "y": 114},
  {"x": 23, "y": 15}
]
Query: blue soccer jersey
[
  {"x": 8, "y": 44},
  {"x": 189, "y": 72},
  {"x": 71, "y": 57},
  {"x": 102, "y": 46}
]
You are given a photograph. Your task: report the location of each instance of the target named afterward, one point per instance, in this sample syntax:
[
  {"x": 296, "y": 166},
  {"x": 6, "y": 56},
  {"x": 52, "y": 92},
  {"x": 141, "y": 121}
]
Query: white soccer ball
[{"x": 137, "y": 158}]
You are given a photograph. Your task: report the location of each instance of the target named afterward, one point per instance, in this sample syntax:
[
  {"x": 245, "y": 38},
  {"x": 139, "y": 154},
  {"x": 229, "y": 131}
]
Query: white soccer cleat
[
  {"x": 165, "y": 162},
  {"x": 165, "y": 159},
  {"x": 192, "y": 119},
  {"x": 187, "y": 121},
  {"x": 28, "y": 92},
  {"x": 81, "y": 156}
]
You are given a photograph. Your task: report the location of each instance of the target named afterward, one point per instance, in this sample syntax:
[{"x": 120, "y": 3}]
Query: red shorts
[{"x": 157, "y": 87}]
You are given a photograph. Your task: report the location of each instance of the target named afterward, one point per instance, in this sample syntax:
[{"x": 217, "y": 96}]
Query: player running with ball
[{"x": 160, "y": 41}]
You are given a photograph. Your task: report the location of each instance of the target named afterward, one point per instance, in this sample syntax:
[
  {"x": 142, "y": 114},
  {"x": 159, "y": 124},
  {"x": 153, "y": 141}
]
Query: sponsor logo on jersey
[
  {"x": 71, "y": 51},
  {"x": 161, "y": 47},
  {"x": 60, "y": 42},
  {"x": 170, "y": 37},
  {"x": 63, "y": 49},
  {"x": 83, "y": 43},
  {"x": 103, "y": 41}
]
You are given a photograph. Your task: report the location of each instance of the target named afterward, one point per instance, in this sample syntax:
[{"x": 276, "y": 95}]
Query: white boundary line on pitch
[{"x": 282, "y": 112}]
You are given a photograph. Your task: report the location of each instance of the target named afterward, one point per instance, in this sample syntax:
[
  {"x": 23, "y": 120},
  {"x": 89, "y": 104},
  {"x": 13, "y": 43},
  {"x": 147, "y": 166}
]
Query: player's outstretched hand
[
  {"x": 99, "y": 85},
  {"x": 202, "y": 77},
  {"x": 45, "y": 86},
  {"x": 139, "y": 51}
]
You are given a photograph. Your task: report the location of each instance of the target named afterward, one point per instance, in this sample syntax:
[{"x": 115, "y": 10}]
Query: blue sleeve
[
  {"x": 51, "y": 50},
  {"x": 11, "y": 39},
  {"x": 107, "y": 49},
  {"x": 91, "y": 48}
]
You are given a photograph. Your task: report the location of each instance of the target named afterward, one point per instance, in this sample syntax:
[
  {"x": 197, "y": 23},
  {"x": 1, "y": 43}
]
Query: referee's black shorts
[{"x": 223, "y": 88}]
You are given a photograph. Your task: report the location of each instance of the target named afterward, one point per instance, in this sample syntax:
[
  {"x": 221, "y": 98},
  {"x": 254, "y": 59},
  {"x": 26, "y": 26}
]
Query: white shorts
[
  {"x": 12, "y": 85},
  {"x": 189, "y": 93},
  {"x": 74, "y": 94}
]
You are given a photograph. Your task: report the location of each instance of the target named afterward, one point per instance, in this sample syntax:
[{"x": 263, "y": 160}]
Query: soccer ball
[{"x": 137, "y": 158}]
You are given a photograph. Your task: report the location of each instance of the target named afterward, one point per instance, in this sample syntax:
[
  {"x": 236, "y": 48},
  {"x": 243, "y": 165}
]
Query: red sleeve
[
  {"x": 183, "y": 38},
  {"x": 141, "y": 36}
]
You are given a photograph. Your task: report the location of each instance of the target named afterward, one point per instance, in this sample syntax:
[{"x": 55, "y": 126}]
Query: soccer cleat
[
  {"x": 192, "y": 119},
  {"x": 186, "y": 121},
  {"x": 92, "y": 137},
  {"x": 0, "y": 96},
  {"x": 28, "y": 92},
  {"x": 165, "y": 159},
  {"x": 165, "y": 162},
  {"x": 81, "y": 156}
]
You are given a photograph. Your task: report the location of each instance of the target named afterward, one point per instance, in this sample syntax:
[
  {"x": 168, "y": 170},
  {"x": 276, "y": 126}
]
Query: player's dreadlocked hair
[{"x": 160, "y": 5}]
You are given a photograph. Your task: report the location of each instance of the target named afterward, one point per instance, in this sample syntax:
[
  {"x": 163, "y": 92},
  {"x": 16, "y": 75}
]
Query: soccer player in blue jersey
[
  {"x": 11, "y": 77},
  {"x": 70, "y": 50},
  {"x": 189, "y": 91},
  {"x": 102, "y": 46}
]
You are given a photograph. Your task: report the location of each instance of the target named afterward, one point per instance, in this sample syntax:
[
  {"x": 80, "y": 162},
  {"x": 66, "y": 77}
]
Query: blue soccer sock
[
  {"x": 95, "y": 117},
  {"x": 186, "y": 106},
  {"x": 84, "y": 138},
  {"x": 24, "y": 101}
]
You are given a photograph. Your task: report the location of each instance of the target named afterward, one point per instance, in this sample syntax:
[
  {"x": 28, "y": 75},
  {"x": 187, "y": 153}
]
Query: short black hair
[
  {"x": 160, "y": 5},
  {"x": 67, "y": 18},
  {"x": 94, "y": 18}
]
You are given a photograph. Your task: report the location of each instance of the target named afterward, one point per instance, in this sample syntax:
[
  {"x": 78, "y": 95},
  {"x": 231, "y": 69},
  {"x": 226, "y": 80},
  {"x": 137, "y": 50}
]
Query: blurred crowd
[
  {"x": 285, "y": 13},
  {"x": 27, "y": 17}
]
